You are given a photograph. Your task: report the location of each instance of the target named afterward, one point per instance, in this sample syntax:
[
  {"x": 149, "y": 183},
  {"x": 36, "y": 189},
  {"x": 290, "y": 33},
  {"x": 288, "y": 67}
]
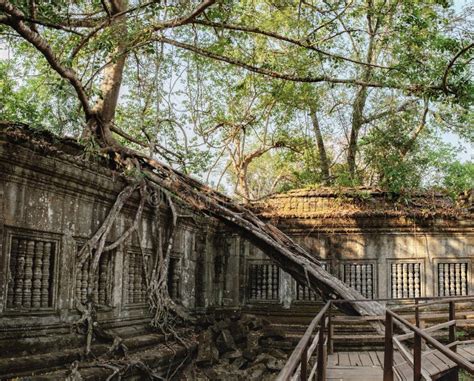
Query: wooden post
[
  {"x": 321, "y": 368},
  {"x": 388, "y": 355},
  {"x": 452, "y": 329},
  {"x": 304, "y": 364},
  {"x": 417, "y": 358},
  {"x": 330, "y": 331},
  {"x": 453, "y": 374},
  {"x": 417, "y": 314},
  {"x": 423, "y": 343}
]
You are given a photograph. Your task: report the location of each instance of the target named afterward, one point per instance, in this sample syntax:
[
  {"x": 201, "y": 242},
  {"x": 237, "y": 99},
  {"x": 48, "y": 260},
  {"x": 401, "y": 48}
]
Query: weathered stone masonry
[
  {"x": 384, "y": 248},
  {"x": 50, "y": 205}
]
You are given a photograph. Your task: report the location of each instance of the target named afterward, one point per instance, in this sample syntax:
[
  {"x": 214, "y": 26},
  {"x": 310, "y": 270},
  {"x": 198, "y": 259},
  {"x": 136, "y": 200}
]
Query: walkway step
[{"x": 25, "y": 365}]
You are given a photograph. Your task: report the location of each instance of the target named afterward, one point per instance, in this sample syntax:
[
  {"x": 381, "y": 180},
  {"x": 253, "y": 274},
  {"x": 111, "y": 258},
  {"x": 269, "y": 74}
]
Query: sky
[{"x": 465, "y": 150}]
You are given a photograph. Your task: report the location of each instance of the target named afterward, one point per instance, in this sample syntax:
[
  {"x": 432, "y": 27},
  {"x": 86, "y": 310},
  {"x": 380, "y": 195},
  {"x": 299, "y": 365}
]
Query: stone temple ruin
[{"x": 53, "y": 197}]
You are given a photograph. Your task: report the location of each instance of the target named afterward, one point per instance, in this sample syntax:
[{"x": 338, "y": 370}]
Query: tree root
[
  {"x": 93, "y": 249},
  {"x": 119, "y": 369},
  {"x": 167, "y": 314}
]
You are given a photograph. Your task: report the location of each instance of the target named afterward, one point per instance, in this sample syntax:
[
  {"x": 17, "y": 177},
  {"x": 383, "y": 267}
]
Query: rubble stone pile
[{"x": 242, "y": 347}]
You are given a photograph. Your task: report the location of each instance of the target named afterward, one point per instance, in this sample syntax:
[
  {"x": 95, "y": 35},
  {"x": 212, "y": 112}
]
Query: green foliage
[
  {"x": 458, "y": 177},
  {"x": 206, "y": 117}
]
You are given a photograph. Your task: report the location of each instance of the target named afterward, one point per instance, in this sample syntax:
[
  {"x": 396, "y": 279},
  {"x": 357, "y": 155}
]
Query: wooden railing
[
  {"x": 419, "y": 335},
  {"x": 299, "y": 362},
  {"x": 319, "y": 337}
]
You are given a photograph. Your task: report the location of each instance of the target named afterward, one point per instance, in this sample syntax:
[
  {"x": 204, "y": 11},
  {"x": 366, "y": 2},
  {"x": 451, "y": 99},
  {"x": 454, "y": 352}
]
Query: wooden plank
[
  {"x": 354, "y": 359},
  {"x": 380, "y": 356},
  {"x": 429, "y": 366},
  {"x": 450, "y": 364},
  {"x": 344, "y": 359},
  {"x": 365, "y": 359},
  {"x": 466, "y": 354},
  {"x": 397, "y": 358},
  {"x": 405, "y": 370},
  {"x": 469, "y": 349},
  {"x": 332, "y": 360},
  {"x": 355, "y": 374},
  {"x": 375, "y": 359}
]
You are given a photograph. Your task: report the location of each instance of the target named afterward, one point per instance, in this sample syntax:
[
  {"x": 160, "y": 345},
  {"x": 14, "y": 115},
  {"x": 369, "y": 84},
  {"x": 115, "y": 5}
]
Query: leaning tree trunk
[{"x": 290, "y": 256}]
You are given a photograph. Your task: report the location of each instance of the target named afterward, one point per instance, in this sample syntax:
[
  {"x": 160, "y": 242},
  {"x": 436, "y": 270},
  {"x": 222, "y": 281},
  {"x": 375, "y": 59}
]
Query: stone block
[
  {"x": 225, "y": 342},
  {"x": 207, "y": 352}
]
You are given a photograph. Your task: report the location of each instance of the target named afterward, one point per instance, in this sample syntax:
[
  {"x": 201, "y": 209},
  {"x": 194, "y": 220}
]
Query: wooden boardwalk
[{"x": 360, "y": 366}]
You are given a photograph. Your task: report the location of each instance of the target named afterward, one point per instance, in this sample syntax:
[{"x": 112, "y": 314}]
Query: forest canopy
[{"x": 252, "y": 97}]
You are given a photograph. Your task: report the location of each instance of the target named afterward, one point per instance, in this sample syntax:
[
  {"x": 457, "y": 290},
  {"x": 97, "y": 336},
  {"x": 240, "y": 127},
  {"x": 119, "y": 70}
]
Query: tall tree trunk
[
  {"x": 105, "y": 108},
  {"x": 356, "y": 125},
  {"x": 361, "y": 95},
  {"x": 323, "y": 159},
  {"x": 243, "y": 188}
]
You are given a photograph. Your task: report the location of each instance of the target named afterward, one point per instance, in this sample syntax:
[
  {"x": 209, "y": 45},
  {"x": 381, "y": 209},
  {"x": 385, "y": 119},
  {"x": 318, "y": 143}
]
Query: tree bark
[
  {"x": 323, "y": 159},
  {"x": 356, "y": 124},
  {"x": 291, "y": 257},
  {"x": 104, "y": 109},
  {"x": 361, "y": 95}
]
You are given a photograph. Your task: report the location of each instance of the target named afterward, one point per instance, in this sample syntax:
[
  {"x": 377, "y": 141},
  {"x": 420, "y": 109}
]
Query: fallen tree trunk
[{"x": 290, "y": 256}]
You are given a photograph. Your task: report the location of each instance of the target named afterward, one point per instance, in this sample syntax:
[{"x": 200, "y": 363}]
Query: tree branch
[
  {"x": 451, "y": 64},
  {"x": 383, "y": 114},
  {"x": 285, "y": 76},
  {"x": 276, "y": 36},
  {"x": 14, "y": 20},
  {"x": 186, "y": 18}
]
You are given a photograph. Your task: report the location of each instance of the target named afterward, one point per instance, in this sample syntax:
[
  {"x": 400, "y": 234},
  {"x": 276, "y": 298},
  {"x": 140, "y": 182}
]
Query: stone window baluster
[
  {"x": 48, "y": 249},
  {"x": 131, "y": 280},
  {"x": 370, "y": 286},
  {"x": 79, "y": 285},
  {"x": 28, "y": 282},
  {"x": 102, "y": 281},
  {"x": 85, "y": 280},
  {"x": 37, "y": 275},
  {"x": 457, "y": 278},
  {"x": 410, "y": 275},
  {"x": 464, "y": 279},
  {"x": 20, "y": 273},
  {"x": 126, "y": 275},
  {"x": 138, "y": 279},
  {"x": 452, "y": 282},
  {"x": 12, "y": 271},
  {"x": 417, "y": 280},
  {"x": 400, "y": 280}
]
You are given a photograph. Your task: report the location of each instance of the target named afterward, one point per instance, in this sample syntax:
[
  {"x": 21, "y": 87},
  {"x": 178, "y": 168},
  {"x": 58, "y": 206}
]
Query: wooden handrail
[
  {"x": 297, "y": 364},
  {"x": 301, "y": 349},
  {"x": 437, "y": 300},
  {"x": 453, "y": 356},
  {"x": 433, "y": 328},
  {"x": 441, "y": 299}
]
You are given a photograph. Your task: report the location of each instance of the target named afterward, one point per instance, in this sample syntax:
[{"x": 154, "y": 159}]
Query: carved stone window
[
  {"x": 31, "y": 273},
  {"x": 360, "y": 276},
  {"x": 103, "y": 285},
  {"x": 304, "y": 293},
  {"x": 174, "y": 278},
  {"x": 453, "y": 278},
  {"x": 263, "y": 281},
  {"x": 134, "y": 281},
  {"x": 405, "y": 280}
]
